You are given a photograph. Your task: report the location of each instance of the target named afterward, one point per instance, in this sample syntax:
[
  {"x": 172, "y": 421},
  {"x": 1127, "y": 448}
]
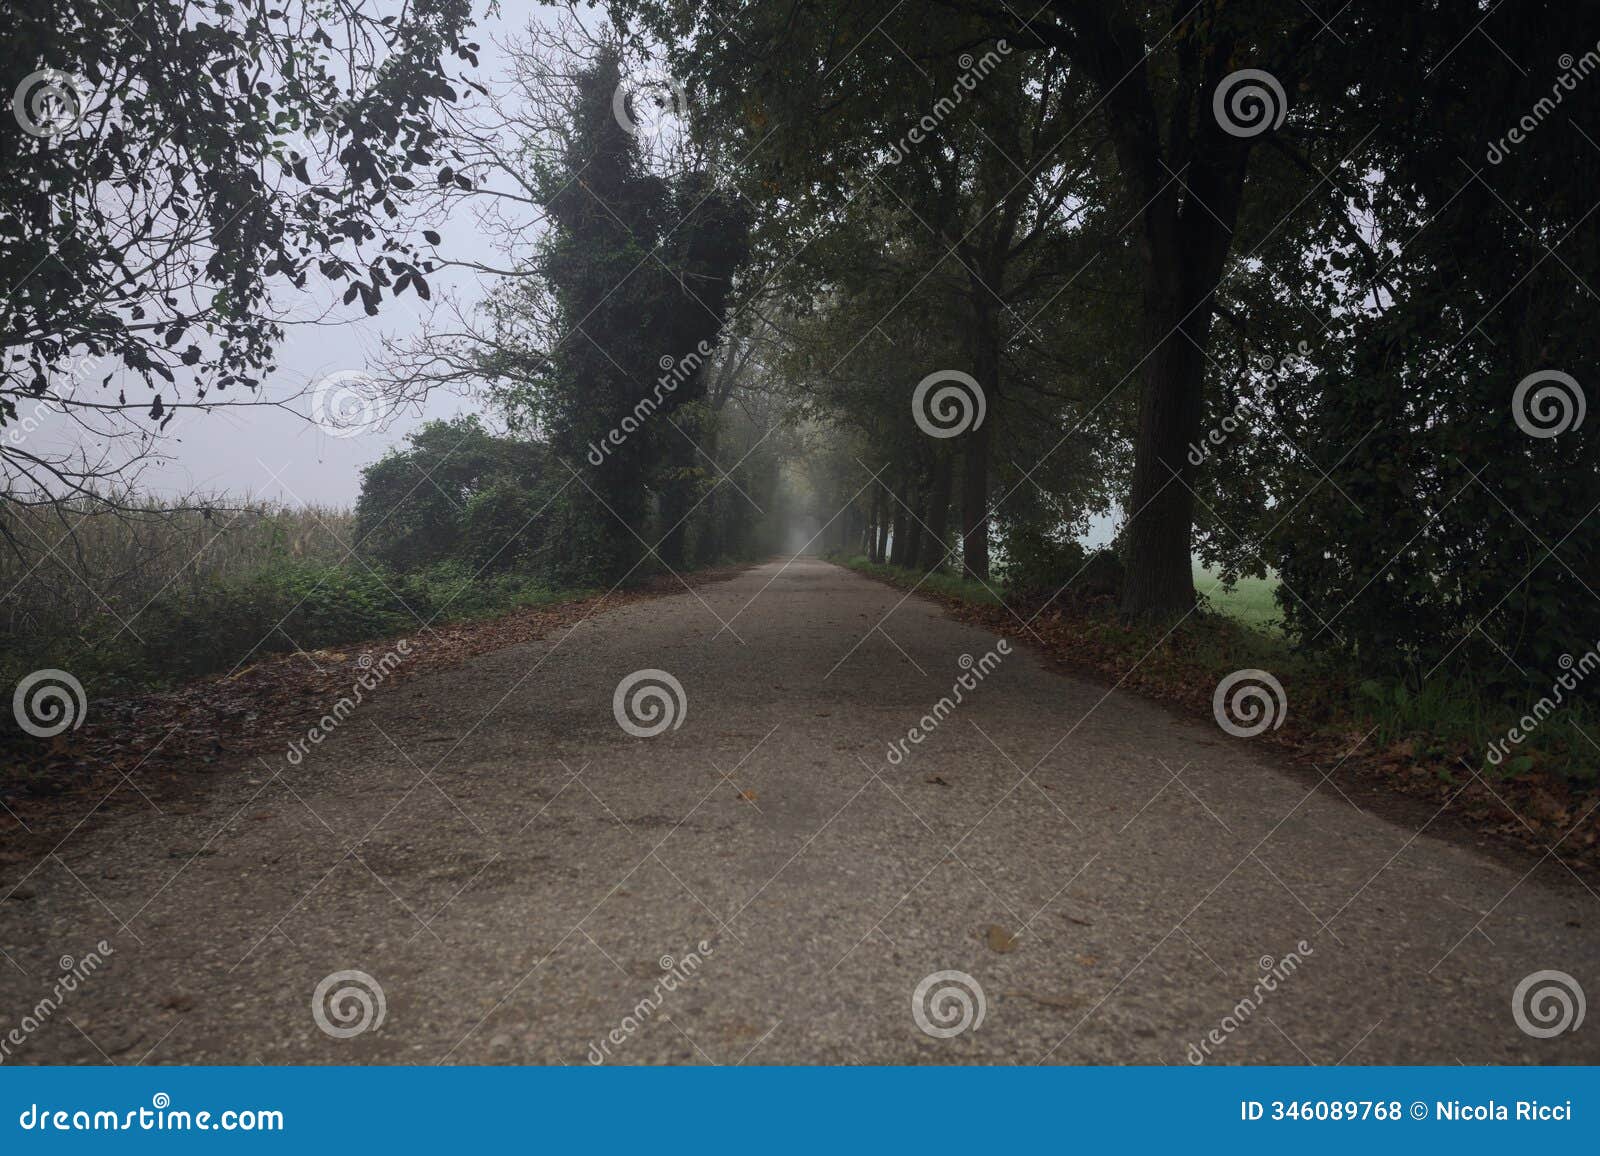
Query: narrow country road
[{"x": 510, "y": 867}]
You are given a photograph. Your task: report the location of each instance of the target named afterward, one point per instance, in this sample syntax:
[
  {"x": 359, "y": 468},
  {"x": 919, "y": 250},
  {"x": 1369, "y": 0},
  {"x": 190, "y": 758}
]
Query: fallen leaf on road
[
  {"x": 748, "y": 796},
  {"x": 936, "y": 780},
  {"x": 997, "y": 939}
]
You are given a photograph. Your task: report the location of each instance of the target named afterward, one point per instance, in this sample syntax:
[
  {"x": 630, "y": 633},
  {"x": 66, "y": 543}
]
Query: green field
[{"x": 1250, "y": 601}]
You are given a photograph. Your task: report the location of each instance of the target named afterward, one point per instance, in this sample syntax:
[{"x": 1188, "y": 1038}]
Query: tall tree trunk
[
  {"x": 975, "y": 444},
  {"x": 1183, "y": 263},
  {"x": 897, "y": 544},
  {"x": 1159, "y": 576},
  {"x": 934, "y": 544},
  {"x": 916, "y": 494},
  {"x": 880, "y": 527}
]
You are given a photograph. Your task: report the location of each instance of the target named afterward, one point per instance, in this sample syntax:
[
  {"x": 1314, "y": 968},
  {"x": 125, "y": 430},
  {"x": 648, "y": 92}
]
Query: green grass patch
[
  {"x": 231, "y": 621},
  {"x": 939, "y": 582},
  {"x": 1442, "y": 724},
  {"x": 1251, "y": 601}
]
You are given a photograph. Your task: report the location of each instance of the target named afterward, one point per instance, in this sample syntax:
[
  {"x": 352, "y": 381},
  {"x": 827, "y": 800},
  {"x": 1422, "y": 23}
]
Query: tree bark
[
  {"x": 916, "y": 514},
  {"x": 880, "y": 536},
  {"x": 897, "y": 544},
  {"x": 934, "y": 544},
  {"x": 975, "y": 443}
]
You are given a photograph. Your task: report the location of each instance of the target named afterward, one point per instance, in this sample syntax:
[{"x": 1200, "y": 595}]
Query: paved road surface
[{"x": 512, "y": 869}]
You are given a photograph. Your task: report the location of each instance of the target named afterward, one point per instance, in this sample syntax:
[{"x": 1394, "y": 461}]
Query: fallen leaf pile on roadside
[
  {"x": 1532, "y": 811},
  {"x": 169, "y": 744}
]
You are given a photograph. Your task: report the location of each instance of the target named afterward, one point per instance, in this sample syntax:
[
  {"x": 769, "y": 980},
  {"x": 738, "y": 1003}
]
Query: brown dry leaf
[
  {"x": 997, "y": 939},
  {"x": 936, "y": 781},
  {"x": 748, "y": 796},
  {"x": 1088, "y": 960}
]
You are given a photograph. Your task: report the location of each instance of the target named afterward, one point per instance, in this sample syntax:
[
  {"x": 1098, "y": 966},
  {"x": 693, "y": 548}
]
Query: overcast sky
[{"x": 266, "y": 453}]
